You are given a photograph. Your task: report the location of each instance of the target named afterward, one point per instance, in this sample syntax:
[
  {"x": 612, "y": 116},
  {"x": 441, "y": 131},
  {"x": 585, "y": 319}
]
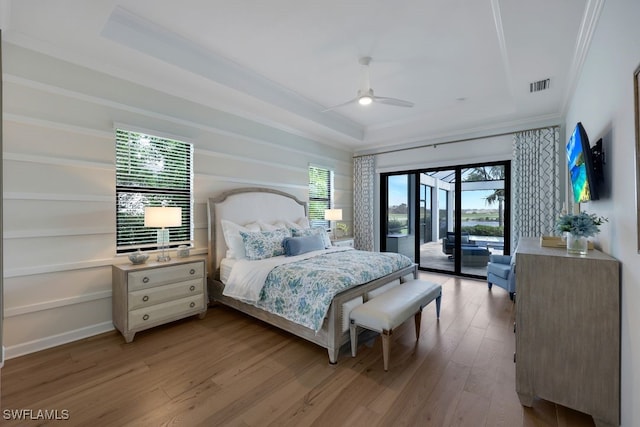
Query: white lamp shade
[
  {"x": 333, "y": 214},
  {"x": 162, "y": 216}
]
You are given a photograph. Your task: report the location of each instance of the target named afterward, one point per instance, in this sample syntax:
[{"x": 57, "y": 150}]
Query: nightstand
[
  {"x": 151, "y": 294},
  {"x": 343, "y": 241}
]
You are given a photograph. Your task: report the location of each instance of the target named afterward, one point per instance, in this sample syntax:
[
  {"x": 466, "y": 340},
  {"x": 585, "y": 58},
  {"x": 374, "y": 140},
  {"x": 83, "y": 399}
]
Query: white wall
[
  {"x": 603, "y": 102},
  {"x": 59, "y": 185}
]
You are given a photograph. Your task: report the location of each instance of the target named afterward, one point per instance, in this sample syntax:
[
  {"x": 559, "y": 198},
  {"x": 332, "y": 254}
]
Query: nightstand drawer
[
  {"x": 151, "y": 296},
  {"x": 155, "y": 314},
  {"x": 343, "y": 242},
  {"x": 145, "y": 279}
]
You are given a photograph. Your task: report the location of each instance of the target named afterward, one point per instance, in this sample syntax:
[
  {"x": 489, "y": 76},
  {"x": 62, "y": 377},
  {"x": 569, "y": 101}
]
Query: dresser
[
  {"x": 155, "y": 293},
  {"x": 568, "y": 330}
]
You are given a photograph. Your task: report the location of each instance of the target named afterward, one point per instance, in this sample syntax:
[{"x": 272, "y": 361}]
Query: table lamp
[
  {"x": 160, "y": 216},
  {"x": 333, "y": 215}
]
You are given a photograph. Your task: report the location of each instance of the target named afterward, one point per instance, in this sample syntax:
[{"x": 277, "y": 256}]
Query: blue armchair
[{"x": 501, "y": 271}]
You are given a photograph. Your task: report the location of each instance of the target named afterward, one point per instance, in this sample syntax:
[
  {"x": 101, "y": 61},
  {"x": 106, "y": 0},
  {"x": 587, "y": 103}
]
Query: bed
[{"x": 267, "y": 206}]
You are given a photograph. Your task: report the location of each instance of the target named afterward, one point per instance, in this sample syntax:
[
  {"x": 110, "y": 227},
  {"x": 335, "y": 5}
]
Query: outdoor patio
[{"x": 431, "y": 256}]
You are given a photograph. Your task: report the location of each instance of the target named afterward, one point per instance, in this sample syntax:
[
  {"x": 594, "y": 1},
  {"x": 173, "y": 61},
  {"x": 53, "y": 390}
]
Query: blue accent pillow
[
  {"x": 301, "y": 245},
  {"x": 314, "y": 231}
]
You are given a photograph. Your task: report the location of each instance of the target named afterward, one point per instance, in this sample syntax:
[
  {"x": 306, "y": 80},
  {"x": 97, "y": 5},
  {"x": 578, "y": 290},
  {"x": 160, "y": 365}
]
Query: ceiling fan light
[{"x": 365, "y": 100}]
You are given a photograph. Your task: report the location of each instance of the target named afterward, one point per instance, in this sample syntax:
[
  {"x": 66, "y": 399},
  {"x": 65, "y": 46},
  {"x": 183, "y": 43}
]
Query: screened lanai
[{"x": 424, "y": 222}]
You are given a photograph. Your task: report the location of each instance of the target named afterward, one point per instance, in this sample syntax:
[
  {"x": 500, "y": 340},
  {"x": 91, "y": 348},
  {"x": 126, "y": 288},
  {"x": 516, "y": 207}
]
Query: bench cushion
[{"x": 394, "y": 307}]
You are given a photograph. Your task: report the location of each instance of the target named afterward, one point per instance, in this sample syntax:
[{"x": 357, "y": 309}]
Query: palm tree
[
  {"x": 491, "y": 173},
  {"x": 498, "y": 195}
]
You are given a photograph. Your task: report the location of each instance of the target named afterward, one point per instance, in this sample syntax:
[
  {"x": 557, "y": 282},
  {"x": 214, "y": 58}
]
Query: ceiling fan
[{"x": 365, "y": 94}]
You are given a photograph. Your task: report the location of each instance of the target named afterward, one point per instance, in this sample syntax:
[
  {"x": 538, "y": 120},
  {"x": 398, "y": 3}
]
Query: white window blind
[
  {"x": 151, "y": 171},
  {"x": 320, "y": 195}
]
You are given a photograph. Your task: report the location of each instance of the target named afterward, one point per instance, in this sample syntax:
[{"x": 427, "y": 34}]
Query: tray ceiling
[{"x": 467, "y": 65}]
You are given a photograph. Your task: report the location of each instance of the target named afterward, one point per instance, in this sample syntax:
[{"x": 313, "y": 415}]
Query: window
[
  {"x": 151, "y": 171},
  {"x": 320, "y": 195}
]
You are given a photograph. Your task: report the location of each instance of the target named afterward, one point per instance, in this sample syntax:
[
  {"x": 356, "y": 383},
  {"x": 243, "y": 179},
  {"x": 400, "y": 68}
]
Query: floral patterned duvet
[{"x": 302, "y": 291}]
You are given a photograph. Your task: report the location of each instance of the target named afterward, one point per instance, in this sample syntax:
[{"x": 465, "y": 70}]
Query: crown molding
[{"x": 588, "y": 26}]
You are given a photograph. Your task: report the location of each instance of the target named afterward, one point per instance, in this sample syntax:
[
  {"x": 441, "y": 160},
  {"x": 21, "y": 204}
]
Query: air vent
[{"x": 539, "y": 85}]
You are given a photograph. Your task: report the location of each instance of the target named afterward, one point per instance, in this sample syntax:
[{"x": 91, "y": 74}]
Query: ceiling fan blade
[
  {"x": 365, "y": 93},
  {"x": 393, "y": 101},
  {"x": 341, "y": 105}
]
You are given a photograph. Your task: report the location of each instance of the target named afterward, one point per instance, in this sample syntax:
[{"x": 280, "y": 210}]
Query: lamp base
[{"x": 163, "y": 238}]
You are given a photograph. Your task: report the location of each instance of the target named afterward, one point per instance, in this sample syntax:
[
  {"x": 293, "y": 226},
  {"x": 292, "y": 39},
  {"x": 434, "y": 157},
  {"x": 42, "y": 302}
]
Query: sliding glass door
[
  {"x": 435, "y": 246},
  {"x": 482, "y": 210},
  {"x": 426, "y": 233},
  {"x": 400, "y": 208},
  {"x": 450, "y": 219}
]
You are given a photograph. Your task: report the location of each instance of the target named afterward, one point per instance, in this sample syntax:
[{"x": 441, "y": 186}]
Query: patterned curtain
[
  {"x": 363, "y": 197},
  {"x": 536, "y": 182}
]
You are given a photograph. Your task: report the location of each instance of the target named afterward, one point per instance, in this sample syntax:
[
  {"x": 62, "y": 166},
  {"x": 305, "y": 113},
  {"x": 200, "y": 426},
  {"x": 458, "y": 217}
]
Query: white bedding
[
  {"x": 226, "y": 265},
  {"x": 247, "y": 277}
]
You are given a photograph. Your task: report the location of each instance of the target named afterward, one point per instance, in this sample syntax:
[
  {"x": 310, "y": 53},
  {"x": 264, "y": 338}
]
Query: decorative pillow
[
  {"x": 264, "y": 244},
  {"x": 299, "y": 224},
  {"x": 314, "y": 231},
  {"x": 271, "y": 227},
  {"x": 232, "y": 237},
  {"x": 303, "y": 222},
  {"x": 301, "y": 245}
]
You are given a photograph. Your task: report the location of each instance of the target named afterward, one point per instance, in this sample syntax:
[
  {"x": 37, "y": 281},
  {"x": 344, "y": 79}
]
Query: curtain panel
[
  {"x": 536, "y": 182},
  {"x": 363, "y": 197}
]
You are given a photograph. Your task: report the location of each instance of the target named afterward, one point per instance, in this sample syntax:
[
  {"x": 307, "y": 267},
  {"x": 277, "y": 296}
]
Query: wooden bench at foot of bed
[{"x": 392, "y": 308}]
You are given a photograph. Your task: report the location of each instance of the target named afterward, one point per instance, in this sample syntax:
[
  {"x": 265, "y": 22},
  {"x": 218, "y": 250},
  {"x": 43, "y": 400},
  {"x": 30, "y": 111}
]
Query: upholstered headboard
[{"x": 246, "y": 205}]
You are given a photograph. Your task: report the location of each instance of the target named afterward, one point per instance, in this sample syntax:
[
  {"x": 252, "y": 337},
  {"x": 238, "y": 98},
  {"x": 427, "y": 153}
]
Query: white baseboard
[
  {"x": 56, "y": 340},
  {"x": 2, "y": 360}
]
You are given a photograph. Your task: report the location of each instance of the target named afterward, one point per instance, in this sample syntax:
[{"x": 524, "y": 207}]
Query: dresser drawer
[
  {"x": 151, "y": 296},
  {"x": 155, "y": 314},
  {"x": 145, "y": 279}
]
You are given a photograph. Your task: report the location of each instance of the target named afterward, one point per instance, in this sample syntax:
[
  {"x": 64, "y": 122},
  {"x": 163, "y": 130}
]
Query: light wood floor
[{"x": 228, "y": 369}]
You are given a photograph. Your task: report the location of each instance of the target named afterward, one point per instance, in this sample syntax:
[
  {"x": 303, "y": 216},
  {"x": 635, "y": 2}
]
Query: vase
[{"x": 577, "y": 244}]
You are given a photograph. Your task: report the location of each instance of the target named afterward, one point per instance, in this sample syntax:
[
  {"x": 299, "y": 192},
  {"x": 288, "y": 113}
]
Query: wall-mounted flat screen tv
[{"x": 581, "y": 171}]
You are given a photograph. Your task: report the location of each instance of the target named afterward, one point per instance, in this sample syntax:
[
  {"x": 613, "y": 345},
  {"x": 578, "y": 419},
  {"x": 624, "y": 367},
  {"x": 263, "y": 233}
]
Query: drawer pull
[
  {"x": 192, "y": 288},
  {"x": 145, "y": 298},
  {"x": 145, "y": 317},
  {"x": 145, "y": 279},
  {"x": 193, "y": 304},
  {"x": 192, "y": 271}
]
